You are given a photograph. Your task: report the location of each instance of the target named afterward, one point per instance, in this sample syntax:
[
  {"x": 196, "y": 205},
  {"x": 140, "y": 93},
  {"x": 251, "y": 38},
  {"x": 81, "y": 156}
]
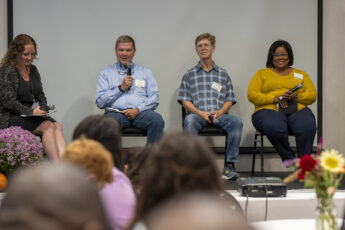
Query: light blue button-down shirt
[{"x": 142, "y": 95}]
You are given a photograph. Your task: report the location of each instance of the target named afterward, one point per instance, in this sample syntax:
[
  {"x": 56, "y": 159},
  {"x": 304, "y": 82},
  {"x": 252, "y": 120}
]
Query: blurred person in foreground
[
  {"x": 180, "y": 163},
  {"x": 93, "y": 157},
  {"x": 135, "y": 160},
  {"x": 118, "y": 196},
  {"x": 22, "y": 99},
  {"x": 52, "y": 197},
  {"x": 201, "y": 211},
  {"x": 278, "y": 110}
]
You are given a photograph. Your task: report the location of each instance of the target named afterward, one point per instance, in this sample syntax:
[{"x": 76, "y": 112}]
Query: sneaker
[{"x": 229, "y": 173}]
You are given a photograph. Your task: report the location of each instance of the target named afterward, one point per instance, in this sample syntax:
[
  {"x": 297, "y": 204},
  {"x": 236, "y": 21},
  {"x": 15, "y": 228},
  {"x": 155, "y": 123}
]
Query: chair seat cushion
[
  {"x": 212, "y": 130},
  {"x": 130, "y": 131}
]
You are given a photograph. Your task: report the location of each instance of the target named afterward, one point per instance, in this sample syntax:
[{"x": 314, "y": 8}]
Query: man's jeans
[
  {"x": 231, "y": 124},
  {"x": 146, "y": 120}
]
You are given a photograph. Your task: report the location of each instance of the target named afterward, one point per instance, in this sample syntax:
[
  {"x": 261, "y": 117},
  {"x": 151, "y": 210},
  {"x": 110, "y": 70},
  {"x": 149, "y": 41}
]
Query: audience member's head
[
  {"x": 104, "y": 129},
  {"x": 92, "y": 156},
  {"x": 196, "y": 211},
  {"x": 179, "y": 164},
  {"x": 51, "y": 197},
  {"x": 134, "y": 162}
]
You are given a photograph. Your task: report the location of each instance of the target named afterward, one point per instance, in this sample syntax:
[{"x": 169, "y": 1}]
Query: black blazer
[{"x": 8, "y": 94}]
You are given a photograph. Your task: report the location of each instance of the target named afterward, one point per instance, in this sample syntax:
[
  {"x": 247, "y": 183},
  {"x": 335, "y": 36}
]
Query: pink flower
[{"x": 18, "y": 147}]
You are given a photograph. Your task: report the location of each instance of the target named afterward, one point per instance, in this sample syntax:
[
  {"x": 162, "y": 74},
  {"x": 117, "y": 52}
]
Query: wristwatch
[{"x": 121, "y": 89}]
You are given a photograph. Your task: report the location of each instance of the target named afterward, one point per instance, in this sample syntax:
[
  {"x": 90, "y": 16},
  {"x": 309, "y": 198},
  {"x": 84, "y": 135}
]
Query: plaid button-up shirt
[{"x": 208, "y": 91}]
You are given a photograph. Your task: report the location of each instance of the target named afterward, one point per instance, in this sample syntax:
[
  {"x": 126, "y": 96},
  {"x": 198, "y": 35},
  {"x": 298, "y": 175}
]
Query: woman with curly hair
[{"x": 22, "y": 100}]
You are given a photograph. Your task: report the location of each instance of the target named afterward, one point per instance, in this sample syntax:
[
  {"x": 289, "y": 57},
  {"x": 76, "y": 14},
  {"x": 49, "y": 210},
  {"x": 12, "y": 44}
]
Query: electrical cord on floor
[
  {"x": 266, "y": 204},
  {"x": 246, "y": 207},
  {"x": 266, "y": 209}
]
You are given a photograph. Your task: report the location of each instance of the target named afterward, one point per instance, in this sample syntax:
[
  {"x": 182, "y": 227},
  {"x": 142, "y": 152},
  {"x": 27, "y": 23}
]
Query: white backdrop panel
[{"x": 76, "y": 41}]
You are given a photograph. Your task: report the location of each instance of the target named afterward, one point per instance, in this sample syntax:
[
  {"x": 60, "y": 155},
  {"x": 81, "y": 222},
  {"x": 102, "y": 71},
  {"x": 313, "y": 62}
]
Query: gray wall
[
  {"x": 334, "y": 75},
  {"x": 3, "y": 27},
  {"x": 76, "y": 39}
]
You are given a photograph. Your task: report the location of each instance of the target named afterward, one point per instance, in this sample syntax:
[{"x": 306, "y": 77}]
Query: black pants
[{"x": 276, "y": 126}]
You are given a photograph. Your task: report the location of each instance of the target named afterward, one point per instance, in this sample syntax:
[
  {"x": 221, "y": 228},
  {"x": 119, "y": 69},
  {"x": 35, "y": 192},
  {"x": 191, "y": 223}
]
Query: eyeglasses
[
  {"x": 200, "y": 46},
  {"x": 280, "y": 55}
]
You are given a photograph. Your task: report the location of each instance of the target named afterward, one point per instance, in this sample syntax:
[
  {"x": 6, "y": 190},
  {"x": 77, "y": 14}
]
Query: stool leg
[
  {"x": 254, "y": 153},
  {"x": 226, "y": 146},
  {"x": 262, "y": 153}
]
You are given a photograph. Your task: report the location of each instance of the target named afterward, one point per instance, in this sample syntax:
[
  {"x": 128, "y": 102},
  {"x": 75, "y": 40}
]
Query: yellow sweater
[{"x": 266, "y": 84}]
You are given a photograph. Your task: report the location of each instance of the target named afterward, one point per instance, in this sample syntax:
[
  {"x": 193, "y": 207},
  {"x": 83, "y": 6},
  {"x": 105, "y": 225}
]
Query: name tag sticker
[
  {"x": 298, "y": 75},
  {"x": 216, "y": 86},
  {"x": 139, "y": 83}
]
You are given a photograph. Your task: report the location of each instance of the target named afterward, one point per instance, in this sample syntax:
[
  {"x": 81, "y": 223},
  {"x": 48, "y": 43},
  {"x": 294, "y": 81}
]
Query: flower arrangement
[
  {"x": 323, "y": 173},
  {"x": 18, "y": 147}
]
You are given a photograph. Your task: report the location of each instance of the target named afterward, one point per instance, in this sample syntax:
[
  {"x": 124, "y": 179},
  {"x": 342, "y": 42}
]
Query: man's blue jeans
[
  {"x": 231, "y": 124},
  {"x": 146, "y": 120}
]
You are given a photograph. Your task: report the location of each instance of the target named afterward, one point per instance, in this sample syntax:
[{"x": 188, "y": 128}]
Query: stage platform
[
  {"x": 292, "y": 224},
  {"x": 299, "y": 202}
]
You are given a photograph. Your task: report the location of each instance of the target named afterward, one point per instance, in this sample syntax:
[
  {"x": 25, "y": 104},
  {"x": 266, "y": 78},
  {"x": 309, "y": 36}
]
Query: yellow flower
[{"x": 332, "y": 161}]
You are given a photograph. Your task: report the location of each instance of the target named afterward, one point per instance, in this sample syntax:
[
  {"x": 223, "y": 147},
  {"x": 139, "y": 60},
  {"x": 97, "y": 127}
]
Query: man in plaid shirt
[{"x": 207, "y": 94}]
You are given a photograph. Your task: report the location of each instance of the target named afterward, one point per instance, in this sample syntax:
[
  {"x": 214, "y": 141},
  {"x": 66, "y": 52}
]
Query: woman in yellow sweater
[{"x": 269, "y": 91}]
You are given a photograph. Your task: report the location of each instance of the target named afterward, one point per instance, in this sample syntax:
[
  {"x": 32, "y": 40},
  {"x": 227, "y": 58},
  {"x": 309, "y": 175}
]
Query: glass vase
[{"x": 326, "y": 218}]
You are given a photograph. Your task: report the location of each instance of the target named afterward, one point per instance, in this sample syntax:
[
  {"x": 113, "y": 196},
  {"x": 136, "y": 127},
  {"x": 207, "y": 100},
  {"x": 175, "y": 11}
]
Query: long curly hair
[
  {"x": 92, "y": 156},
  {"x": 179, "y": 164},
  {"x": 16, "y": 49}
]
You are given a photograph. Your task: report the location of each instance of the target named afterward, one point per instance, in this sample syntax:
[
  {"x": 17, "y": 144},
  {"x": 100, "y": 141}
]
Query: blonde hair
[{"x": 92, "y": 156}]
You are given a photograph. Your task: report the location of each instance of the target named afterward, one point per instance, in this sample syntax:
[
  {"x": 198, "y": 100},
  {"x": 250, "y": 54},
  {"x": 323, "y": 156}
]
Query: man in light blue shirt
[{"x": 129, "y": 93}]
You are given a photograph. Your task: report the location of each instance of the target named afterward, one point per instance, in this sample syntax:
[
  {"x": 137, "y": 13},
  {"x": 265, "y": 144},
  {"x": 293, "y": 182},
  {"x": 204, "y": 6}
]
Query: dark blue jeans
[
  {"x": 275, "y": 125},
  {"x": 146, "y": 120},
  {"x": 231, "y": 124}
]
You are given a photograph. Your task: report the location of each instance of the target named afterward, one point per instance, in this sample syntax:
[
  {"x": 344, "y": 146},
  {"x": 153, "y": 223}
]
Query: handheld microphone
[
  {"x": 50, "y": 107},
  {"x": 297, "y": 87},
  {"x": 129, "y": 69},
  {"x": 213, "y": 120}
]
